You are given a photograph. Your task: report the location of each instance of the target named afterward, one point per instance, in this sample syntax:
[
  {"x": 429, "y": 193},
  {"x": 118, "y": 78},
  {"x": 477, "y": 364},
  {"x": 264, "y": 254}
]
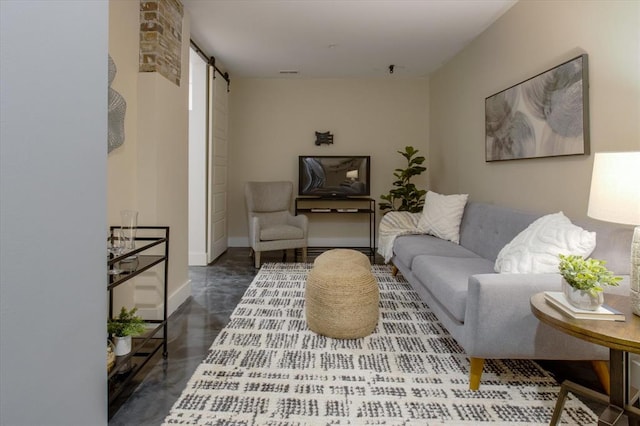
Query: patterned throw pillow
[
  {"x": 536, "y": 249},
  {"x": 442, "y": 214}
]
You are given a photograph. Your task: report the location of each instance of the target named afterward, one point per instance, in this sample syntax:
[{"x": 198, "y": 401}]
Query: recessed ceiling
[{"x": 337, "y": 38}]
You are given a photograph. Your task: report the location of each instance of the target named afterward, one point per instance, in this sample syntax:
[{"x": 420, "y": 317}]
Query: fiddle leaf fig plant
[
  {"x": 126, "y": 324},
  {"x": 586, "y": 274},
  {"x": 405, "y": 196}
]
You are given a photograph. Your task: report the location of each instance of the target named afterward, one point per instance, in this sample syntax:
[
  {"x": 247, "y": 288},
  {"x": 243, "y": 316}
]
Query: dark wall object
[{"x": 324, "y": 138}]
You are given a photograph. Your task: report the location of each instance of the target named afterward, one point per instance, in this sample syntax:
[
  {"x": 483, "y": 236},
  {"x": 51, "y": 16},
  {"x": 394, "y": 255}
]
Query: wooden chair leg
[
  {"x": 602, "y": 371},
  {"x": 394, "y": 270},
  {"x": 475, "y": 373},
  {"x": 304, "y": 254},
  {"x": 256, "y": 256}
]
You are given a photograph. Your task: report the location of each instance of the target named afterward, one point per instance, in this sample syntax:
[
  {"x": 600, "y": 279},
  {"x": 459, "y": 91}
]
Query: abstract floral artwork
[{"x": 544, "y": 116}]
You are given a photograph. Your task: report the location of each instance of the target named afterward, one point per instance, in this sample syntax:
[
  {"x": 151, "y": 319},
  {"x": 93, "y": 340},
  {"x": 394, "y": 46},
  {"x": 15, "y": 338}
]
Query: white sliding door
[
  {"x": 218, "y": 159},
  {"x": 207, "y": 162},
  {"x": 198, "y": 164}
]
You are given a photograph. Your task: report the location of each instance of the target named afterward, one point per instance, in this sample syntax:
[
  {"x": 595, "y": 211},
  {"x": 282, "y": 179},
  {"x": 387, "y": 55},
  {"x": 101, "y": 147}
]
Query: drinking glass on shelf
[
  {"x": 129, "y": 225},
  {"x": 116, "y": 247}
]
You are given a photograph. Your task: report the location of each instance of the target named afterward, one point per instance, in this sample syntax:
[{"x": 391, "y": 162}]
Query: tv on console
[{"x": 333, "y": 176}]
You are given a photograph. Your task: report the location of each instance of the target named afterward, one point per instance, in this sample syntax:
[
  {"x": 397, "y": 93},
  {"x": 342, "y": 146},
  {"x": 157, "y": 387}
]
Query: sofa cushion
[
  {"x": 442, "y": 214},
  {"x": 407, "y": 247},
  {"x": 486, "y": 228},
  {"x": 447, "y": 279},
  {"x": 536, "y": 249}
]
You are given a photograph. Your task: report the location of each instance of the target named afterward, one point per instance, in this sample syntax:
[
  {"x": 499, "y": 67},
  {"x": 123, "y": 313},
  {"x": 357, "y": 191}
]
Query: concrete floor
[{"x": 216, "y": 290}]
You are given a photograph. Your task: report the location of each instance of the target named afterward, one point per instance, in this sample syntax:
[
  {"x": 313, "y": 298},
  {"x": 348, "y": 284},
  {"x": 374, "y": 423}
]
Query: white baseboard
[
  {"x": 178, "y": 297},
  {"x": 174, "y": 301},
  {"x": 197, "y": 259}
]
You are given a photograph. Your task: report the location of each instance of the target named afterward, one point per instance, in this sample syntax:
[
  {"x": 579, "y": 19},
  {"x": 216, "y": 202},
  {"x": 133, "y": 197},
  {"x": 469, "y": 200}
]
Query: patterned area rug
[{"x": 267, "y": 368}]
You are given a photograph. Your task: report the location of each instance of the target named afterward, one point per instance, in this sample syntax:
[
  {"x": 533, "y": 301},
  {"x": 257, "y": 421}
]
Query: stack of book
[{"x": 560, "y": 302}]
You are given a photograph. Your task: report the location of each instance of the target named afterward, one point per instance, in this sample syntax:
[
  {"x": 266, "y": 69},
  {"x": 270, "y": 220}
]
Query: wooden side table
[{"x": 620, "y": 337}]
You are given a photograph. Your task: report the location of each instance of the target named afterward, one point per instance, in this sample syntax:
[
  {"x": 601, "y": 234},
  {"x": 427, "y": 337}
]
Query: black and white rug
[{"x": 267, "y": 368}]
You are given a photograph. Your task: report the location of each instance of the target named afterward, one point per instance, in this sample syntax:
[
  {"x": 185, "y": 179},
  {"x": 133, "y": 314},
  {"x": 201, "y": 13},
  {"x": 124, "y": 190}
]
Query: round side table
[{"x": 621, "y": 337}]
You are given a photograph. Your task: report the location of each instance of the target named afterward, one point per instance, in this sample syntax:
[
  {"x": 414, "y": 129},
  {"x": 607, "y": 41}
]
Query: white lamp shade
[
  {"x": 352, "y": 174},
  {"x": 615, "y": 187}
]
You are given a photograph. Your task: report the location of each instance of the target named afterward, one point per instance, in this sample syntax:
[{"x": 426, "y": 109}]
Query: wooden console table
[{"x": 620, "y": 337}]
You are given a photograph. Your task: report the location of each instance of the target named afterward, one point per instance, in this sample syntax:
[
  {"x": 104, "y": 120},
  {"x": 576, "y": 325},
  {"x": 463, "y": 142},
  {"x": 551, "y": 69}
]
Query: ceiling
[{"x": 337, "y": 38}]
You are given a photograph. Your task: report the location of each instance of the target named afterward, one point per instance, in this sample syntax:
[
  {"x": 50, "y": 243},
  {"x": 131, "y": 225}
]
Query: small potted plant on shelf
[
  {"x": 584, "y": 280},
  {"x": 123, "y": 327}
]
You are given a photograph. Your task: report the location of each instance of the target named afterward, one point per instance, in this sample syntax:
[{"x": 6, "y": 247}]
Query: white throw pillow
[
  {"x": 536, "y": 249},
  {"x": 442, "y": 214}
]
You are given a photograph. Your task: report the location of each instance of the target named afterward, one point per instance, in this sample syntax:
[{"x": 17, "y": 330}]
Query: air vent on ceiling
[{"x": 288, "y": 71}]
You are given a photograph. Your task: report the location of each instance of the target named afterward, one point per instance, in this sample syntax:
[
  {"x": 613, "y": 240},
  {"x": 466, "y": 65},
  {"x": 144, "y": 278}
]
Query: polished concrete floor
[{"x": 216, "y": 290}]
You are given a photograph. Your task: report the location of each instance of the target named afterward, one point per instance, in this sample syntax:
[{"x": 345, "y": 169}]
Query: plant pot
[
  {"x": 122, "y": 344},
  {"x": 582, "y": 299},
  {"x": 111, "y": 356}
]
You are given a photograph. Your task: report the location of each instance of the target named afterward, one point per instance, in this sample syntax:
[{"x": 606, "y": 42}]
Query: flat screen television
[{"x": 333, "y": 176}]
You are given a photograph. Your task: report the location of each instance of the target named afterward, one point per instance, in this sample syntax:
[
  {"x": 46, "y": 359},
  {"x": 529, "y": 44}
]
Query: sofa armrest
[{"x": 499, "y": 322}]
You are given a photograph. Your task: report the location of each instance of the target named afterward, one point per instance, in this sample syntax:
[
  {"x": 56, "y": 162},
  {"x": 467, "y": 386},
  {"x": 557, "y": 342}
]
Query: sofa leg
[
  {"x": 256, "y": 257},
  {"x": 304, "y": 254},
  {"x": 602, "y": 371},
  {"x": 475, "y": 372},
  {"x": 394, "y": 270}
]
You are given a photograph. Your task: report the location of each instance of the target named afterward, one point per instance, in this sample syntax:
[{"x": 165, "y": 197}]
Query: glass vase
[{"x": 582, "y": 299}]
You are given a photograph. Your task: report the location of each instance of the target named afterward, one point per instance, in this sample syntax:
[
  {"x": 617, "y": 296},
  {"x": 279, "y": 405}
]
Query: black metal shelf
[
  {"x": 332, "y": 210},
  {"x": 134, "y": 263},
  {"x": 133, "y": 267},
  {"x": 305, "y": 205}
]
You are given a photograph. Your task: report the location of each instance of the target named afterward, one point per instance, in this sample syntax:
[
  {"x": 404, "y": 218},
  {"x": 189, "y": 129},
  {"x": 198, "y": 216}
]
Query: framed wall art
[{"x": 544, "y": 116}]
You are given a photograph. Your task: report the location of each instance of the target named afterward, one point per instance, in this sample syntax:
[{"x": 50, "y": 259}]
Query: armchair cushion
[{"x": 281, "y": 232}]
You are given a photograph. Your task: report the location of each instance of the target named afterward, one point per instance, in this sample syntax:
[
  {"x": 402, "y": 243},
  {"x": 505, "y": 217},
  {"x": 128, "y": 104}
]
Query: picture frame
[{"x": 544, "y": 116}]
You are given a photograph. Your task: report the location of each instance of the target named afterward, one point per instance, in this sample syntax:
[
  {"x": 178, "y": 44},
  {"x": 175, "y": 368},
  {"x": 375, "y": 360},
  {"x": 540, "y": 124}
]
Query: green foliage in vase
[
  {"x": 586, "y": 274},
  {"x": 405, "y": 196},
  {"x": 126, "y": 324}
]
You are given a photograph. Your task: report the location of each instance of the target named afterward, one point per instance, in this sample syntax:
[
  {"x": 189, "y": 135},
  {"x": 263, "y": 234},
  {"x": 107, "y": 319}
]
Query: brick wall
[{"x": 161, "y": 38}]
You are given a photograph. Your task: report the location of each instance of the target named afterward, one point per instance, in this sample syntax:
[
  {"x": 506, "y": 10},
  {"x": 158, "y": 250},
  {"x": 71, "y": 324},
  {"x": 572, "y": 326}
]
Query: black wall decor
[{"x": 324, "y": 138}]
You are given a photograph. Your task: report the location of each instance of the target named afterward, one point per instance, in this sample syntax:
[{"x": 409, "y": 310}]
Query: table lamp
[{"x": 615, "y": 197}]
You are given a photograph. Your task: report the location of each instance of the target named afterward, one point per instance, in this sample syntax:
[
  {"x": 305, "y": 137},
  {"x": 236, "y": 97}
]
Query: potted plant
[
  {"x": 123, "y": 327},
  {"x": 405, "y": 196},
  {"x": 584, "y": 280}
]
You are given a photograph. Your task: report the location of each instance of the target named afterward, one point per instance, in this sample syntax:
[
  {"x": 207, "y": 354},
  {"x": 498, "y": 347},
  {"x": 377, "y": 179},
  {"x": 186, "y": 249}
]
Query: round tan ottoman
[
  {"x": 341, "y": 300},
  {"x": 343, "y": 255}
]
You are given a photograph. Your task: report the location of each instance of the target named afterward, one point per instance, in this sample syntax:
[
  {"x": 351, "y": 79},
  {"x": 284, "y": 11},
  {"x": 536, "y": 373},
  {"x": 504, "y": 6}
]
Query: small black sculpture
[{"x": 324, "y": 138}]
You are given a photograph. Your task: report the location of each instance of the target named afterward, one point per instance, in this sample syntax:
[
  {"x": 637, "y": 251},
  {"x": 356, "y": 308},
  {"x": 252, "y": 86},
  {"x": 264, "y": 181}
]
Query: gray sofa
[{"x": 488, "y": 313}]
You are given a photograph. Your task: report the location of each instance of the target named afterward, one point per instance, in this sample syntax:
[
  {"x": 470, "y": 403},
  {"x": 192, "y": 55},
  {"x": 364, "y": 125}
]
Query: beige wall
[
  {"x": 148, "y": 173},
  {"x": 272, "y": 121},
  {"x": 124, "y": 26},
  {"x": 532, "y": 37}
]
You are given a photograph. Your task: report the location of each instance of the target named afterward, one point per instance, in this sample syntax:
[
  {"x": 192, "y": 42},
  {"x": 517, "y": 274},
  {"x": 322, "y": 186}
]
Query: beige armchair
[{"x": 271, "y": 224}]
